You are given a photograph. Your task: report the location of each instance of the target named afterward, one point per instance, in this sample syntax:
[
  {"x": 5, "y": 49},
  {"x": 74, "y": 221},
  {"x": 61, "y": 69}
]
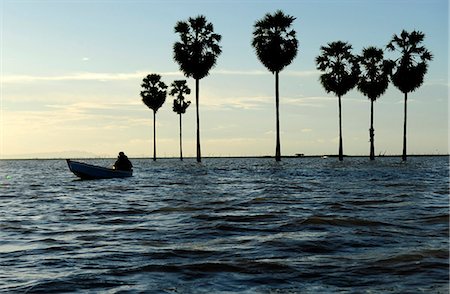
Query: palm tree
[
  {"x": 410, "y": 68},
  {"x": 179, "y": 89},
  {"x": 341, "y": 74},
  {"x": 373, "y": 82},
  {"x": 154, "y": 96},
  {"x": 196, "y": 53},
  {"x": 276, "y": 46}
]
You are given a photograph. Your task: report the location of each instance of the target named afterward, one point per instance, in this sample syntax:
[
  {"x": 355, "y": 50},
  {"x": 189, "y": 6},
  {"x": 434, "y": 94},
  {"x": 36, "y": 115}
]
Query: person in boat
[{"x": 123, "y": 163}]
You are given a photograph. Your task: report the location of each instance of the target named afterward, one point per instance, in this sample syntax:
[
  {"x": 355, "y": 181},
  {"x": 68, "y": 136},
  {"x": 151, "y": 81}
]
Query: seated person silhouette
[{"x": 122, "y": 162}]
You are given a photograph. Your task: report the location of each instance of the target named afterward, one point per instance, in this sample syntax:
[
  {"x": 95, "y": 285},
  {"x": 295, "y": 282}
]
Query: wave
[{"x": 231, "y": 226}]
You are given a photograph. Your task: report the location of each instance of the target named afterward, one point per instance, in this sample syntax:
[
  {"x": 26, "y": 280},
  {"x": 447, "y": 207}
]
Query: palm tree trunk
[
  {"x": 181, "y": 140},
  {"x": 341, "y": 152},
  {"x": 404, "y": 131},
  {"x": 154, "y": 135},
  {"x": 277, "y": 106},
  {"x": 372, "y": 133},
  {"x": 199, "y": 156}
]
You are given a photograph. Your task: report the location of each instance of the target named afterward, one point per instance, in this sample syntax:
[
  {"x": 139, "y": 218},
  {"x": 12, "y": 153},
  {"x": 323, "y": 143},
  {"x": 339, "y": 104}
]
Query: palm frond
[
  {"x": 340, "y": 67},
  {"x": 154, "y": 92},
  {"x": 409, "y": 70},
  {"x": 198, "y": 48},
  {"x": 179, "y": 89},
  {"x": 375, "y": 71},
  {"x": 274, "y": 41},
  {"x": 180, "y": 106}
]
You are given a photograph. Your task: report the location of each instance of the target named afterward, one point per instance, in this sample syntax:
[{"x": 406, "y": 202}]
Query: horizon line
[{"x": 230, "y": 156}]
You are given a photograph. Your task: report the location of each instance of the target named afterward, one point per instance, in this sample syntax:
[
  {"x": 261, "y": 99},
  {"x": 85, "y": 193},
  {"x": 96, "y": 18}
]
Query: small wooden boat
[{"x": 90, "y": 172}]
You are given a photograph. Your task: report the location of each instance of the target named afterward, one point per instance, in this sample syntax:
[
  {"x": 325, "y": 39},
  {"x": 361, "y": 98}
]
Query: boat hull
[{"x": 91, "y": 172}]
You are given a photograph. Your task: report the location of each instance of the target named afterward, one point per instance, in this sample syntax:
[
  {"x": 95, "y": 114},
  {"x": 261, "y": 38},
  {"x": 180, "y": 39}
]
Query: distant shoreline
[{"x": 231, "y": 157}]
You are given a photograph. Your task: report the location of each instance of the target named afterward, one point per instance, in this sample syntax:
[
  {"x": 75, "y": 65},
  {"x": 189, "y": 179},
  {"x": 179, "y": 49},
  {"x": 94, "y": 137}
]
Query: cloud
[
  {"x": 437, "y": 82},
  {"x": 258, "y": 102},
  {"x": 297, "y": 73},
  {"x": 80, "y": 115},
  {"x": 239, "y": 102},
  {"x": 82, "y": 76},
  {"x": 124, "y": 76},
  {"x": 313, "y": 101},
  {"x": 80, "y": 106},
  {"x": 302, "y": 73}
]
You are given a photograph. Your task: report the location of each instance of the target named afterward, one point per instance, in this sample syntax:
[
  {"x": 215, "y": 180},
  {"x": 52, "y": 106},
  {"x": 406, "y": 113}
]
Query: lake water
[{"x": 305, "y": 225}]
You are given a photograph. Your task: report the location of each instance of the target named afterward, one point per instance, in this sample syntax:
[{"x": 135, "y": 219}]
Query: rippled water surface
[{"x": 305, "y": 225}]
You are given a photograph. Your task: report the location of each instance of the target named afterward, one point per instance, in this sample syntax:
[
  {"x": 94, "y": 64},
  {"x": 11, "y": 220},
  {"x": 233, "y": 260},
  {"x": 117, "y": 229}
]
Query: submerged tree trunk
[
  {"x": 277, "y": 106},
  {"x": 181, "y": 140},
  {"x": 404, "y": 130},
  {"x": 154, "y": 135},
  {"x": 341, "y": 152},
  {"x": 199, "y": 156},
  {"x": 372, "y": 133}
]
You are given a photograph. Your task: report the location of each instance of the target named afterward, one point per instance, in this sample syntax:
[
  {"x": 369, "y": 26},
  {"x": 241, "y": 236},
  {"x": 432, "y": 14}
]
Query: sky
[{"x": 71, "y": 74}]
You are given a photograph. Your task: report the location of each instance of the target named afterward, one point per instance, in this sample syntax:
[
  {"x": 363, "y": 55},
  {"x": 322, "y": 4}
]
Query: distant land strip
[{"x": 229, "y": 157}]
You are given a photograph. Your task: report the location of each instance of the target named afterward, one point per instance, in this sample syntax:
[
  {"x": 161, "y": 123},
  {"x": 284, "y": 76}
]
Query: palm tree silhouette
[
  {"x": 341, "y": 74},
  {"x": 410, "y": 68},
  {"x": 373, "y": 82},
  {"x": 179, "y": 89},
  {"x": 154, "y": 96},
  {"x": 276, "y": 46},
  {"x": 196, "y": 54}
]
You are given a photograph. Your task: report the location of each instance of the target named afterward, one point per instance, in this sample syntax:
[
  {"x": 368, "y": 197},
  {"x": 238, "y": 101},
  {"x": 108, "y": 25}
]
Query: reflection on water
[{"x": 227, "y": 225}]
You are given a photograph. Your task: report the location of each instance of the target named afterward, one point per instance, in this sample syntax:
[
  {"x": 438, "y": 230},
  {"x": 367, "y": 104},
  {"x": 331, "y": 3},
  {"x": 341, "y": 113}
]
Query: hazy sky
[{"x": 71, "y": 74}]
